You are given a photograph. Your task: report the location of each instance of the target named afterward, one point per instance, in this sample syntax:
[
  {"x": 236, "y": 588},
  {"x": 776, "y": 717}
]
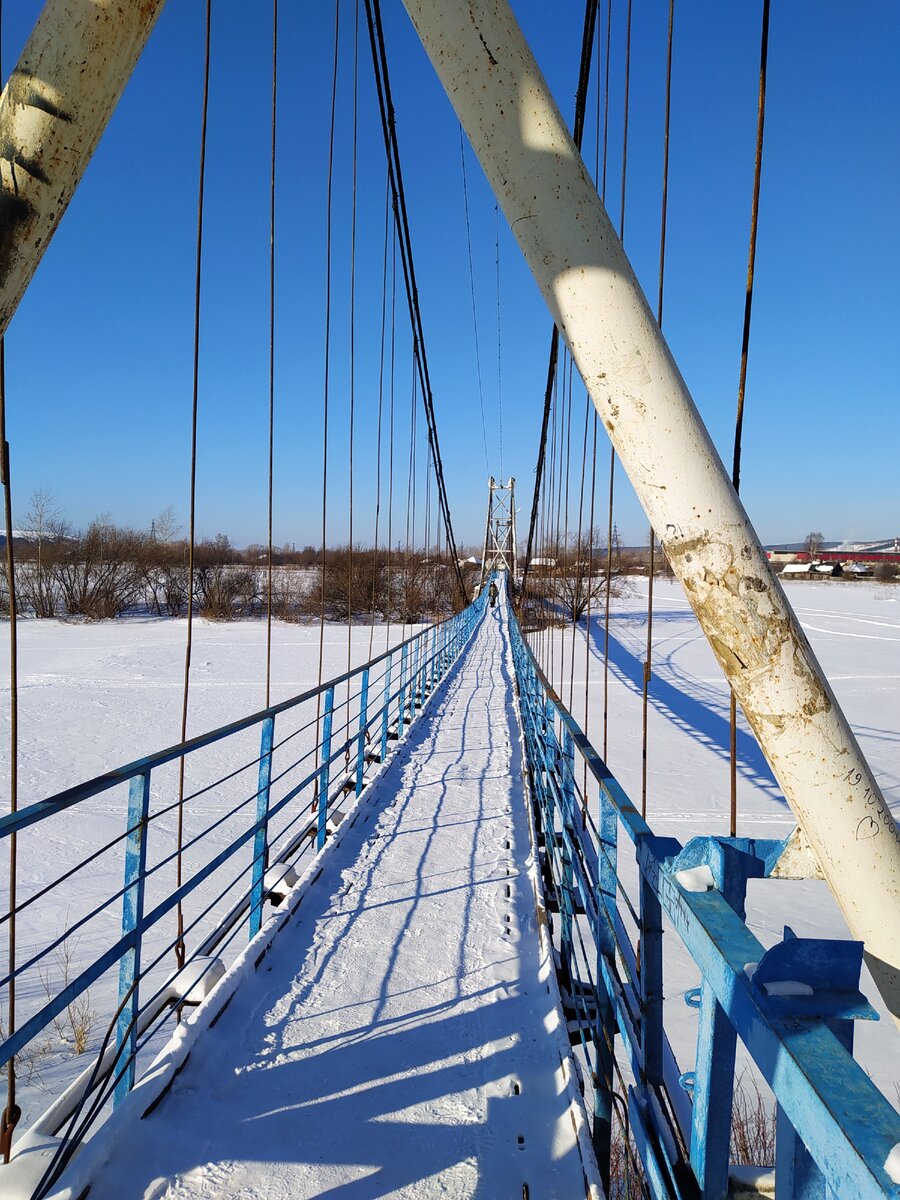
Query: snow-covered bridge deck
[{"x": 401, "y": 1035}]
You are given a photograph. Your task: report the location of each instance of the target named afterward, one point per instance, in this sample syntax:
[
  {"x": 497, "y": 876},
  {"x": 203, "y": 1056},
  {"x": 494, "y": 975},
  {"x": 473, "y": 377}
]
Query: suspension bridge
[{"x": 403, "y": 932}]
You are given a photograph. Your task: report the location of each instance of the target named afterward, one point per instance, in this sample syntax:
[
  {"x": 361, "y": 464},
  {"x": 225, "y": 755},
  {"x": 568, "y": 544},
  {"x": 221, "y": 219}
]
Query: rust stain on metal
[{"x": 752, "y": 639}]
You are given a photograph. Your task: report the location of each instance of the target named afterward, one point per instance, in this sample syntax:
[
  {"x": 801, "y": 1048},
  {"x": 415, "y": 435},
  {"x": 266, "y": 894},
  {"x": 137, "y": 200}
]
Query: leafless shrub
[
  {"x": 76, "y": 1022},
  {"x": 29, "y": 1058},
  {"x": 626, "y": 1176},
  {"x": 290, "y": 591},
  {"x": 223, "y": 589},
  {"x": 96, "y": 573},
  {"x": 752, "y": 1126},
  {"x": 886, "y": 573}
]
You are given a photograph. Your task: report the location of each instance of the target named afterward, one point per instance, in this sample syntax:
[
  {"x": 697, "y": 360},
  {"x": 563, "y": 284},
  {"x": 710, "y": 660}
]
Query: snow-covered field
[{"x": 94, "y": 696}]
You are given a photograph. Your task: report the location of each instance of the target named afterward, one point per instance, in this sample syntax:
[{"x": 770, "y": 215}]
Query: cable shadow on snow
[{"x": 699, "y": 718}]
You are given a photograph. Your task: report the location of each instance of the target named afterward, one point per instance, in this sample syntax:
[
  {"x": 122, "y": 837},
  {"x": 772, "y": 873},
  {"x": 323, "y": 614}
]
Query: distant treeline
[{"x": 107, "y": 571}]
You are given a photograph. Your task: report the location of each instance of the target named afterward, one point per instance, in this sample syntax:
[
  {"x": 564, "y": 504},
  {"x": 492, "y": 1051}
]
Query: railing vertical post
[
  {"x": 606, "y": 948},
  {"x": 323, "y": 774},
  {"x": 434, "y": 643},
  {"x": 651, "y": 983},
  {"x": 796, "y": 1175},
  {"x": 260, "y": 839},
  {"x": 402, "y": 710},
  {"x": 386, "y": 708},
  {"x": 566, "y": 898},
  {"x": 713, "y": 1097},
  {"x": 414, "y": 679},
  {"x": 363, "y": 720},
  {"x": 132, "y": 917}
]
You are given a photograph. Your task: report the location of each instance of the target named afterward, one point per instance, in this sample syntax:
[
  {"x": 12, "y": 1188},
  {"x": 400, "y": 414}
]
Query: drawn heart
[{"x": 867, "y": 828}]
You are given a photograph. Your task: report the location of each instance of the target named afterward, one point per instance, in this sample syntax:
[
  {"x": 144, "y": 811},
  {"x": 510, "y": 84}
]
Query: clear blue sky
[{"x": 99, "y": 354}]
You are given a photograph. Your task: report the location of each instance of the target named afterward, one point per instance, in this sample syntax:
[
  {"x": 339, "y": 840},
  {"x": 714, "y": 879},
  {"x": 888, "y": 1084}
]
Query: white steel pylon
[{"x": 500, "y": 546}]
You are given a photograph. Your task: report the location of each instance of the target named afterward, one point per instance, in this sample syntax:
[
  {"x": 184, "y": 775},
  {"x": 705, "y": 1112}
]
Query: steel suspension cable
[
  {"x": 499, "y": 360},
  {"x": 579, "y": 546},
  {"x": 387, "y": 214},
  {"x": 612, "y": 449},
  {"x": 192, "y": 517},
  {"x": 389, "y": 131},
  {"x": 462, "y": 159},
  {"x": 352, "y": 395},
  {"x": 745, "y": 348},
  {"x": 659, "y": 318},
  {"x": 390, "y": 531},
  {"x": 584, "y": 74},
  {"x": 271, "y": 351},
  {"x": 11, "y": 1112},
  {"x": 329, "y": 215}
]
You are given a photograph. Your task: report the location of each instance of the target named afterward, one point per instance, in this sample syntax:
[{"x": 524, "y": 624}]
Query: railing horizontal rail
[
  {"x": 14, "y": 822},
  {"x": 283, "y": 816}
]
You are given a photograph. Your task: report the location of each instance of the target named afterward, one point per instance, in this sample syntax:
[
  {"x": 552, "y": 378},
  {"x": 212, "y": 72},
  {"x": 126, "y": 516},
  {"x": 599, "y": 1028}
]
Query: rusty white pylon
[
  {"x": 53, "y": 111},
  {"x": 553, "y": 209}
]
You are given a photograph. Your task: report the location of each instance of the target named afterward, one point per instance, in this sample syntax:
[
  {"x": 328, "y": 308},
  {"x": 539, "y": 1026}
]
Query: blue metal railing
[
  {"x": 793, "y": 1006},
  {"x": 314, "y": 750}
]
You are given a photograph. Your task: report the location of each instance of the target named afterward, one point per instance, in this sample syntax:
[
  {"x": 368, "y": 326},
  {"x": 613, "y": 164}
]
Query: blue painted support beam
[
  {"x": 260, "y": 840},
  {"x": 321, "y": 828},
  {"x": 132, "y": 920},
  {"x": 401, "y": 713},
  {"x": 651, "y": 982},
  {"x": 386, "y": 709},
  {"x": 363, "y": 721},
  {"x": 731, "y": 863},
  {"x": 713, "y": 1097}
]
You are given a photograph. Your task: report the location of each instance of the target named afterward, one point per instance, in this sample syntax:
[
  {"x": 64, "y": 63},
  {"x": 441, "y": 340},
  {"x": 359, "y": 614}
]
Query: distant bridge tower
[{"x": 500, "y": 546}]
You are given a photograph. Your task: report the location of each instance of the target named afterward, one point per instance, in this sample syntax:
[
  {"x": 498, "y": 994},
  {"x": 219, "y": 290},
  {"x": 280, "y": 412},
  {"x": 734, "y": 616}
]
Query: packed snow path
[{"x": 398, "y": 1039}]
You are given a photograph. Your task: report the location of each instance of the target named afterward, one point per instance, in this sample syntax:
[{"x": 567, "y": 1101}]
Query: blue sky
[{"x": 99, "y": 353}]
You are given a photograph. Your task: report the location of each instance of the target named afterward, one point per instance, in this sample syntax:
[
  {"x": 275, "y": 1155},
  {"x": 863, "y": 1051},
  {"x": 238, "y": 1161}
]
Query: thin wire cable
[
  {"x": 327, "y": 366},
  {"x": 659, "y": 318},
  {"x": 499, "y": 359},
  {"x": 271, "y": 352},
  {"x": 192, "y": 519},
  {"x": 11, "y": 1112},
  {"x": 625, "y": 120},
  {"x": 352, "y": 396},
  {"x": 390, "y": 533},
  {"x": 579, "y": 546},
  {"x": 584, "y": 76},
  {"x": 590, "y": 596},
  {"x": 612, "y": 449},
  {"x": 462, "y": 159},
  {"x": 395, "y": 173},
  {"x": 745, "y": 349},
  {"x": 387, "y": 214}
]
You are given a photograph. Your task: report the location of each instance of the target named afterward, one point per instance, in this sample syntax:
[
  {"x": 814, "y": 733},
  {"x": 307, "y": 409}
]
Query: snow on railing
[
  {"x": 316, "y": 752},
  {"x": 793, "y": 1006}
]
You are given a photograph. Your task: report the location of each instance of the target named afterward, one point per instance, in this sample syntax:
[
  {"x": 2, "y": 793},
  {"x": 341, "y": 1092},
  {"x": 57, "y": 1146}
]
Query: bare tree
[
  {"x": 579, "y": 576},
  {"x": 814, "y": 544},
  {"x": 47, "y": 528}
]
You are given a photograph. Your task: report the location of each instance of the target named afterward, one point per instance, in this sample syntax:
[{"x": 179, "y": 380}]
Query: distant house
[{"x": 812, "y": 570}]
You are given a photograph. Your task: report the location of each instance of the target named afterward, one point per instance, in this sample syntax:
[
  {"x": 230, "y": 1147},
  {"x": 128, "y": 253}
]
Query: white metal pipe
[
  {"x": 554, "y": 211},
  {"x": 53, "y": 111}
]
